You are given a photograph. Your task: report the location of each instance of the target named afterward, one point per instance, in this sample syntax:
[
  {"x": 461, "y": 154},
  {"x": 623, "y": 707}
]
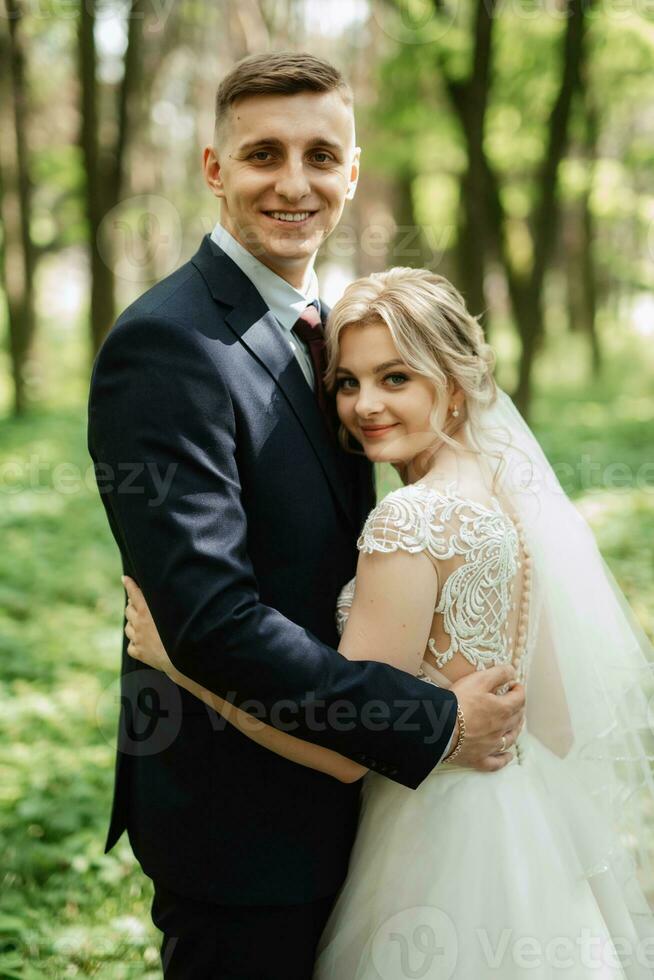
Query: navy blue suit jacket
[{"x": 237, "y": 513}]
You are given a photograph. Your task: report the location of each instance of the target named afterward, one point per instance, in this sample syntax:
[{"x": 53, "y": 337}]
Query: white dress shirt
[{"x": 284, "y": 301}]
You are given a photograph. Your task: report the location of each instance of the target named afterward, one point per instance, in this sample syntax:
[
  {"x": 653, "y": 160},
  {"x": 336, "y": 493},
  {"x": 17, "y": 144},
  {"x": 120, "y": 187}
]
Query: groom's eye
[{"x": 326, "y": 157}]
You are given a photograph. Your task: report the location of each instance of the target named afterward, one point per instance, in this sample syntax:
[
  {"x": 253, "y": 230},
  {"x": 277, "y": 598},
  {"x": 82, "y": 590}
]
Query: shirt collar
[{"x": 283, "y": 300}]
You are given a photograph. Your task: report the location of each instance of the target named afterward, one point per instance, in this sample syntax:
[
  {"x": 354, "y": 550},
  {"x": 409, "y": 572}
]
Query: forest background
[{"x": 506, "y": 144}]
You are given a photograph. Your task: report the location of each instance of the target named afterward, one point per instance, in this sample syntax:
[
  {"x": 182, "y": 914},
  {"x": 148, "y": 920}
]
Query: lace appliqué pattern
[
  {"x": 476, "y": 597},
  {"x": 343, "y": 605}
]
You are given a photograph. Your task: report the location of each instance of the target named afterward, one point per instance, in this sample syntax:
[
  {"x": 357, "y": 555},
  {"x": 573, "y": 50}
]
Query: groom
[{"x": 237, "y": 513}]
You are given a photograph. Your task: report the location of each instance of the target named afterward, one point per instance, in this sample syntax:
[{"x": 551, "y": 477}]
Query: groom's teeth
[{"x": 290, "y": 216}]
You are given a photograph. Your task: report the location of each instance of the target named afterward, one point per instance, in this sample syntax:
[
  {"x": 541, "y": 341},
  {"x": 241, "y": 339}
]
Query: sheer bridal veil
[{"x": 588, "y": 669}]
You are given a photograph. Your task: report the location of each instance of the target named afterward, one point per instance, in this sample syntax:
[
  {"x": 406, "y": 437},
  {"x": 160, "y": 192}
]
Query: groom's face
[{"x": 283, "y": 167}]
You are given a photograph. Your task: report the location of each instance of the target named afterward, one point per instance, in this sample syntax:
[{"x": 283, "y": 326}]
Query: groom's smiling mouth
[{"x": 290, "y": 217}]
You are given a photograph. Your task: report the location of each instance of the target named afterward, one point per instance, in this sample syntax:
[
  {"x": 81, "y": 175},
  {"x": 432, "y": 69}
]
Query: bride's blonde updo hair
[{"x": 433, "y": 332}]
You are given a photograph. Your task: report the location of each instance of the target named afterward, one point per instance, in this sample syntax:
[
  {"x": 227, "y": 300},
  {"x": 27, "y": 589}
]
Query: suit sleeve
[{"x": 164, "y": 440}]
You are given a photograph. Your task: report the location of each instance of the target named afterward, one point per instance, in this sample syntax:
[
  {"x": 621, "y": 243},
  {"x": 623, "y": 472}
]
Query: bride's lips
[{"x": 376, "y": 431}]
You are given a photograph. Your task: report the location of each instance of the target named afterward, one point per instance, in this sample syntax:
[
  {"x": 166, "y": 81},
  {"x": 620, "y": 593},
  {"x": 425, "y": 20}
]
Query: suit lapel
[{"x": 256, "y": 328}]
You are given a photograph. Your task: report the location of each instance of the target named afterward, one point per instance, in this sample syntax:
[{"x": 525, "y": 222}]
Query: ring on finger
[{"x": 502, "y": 749}]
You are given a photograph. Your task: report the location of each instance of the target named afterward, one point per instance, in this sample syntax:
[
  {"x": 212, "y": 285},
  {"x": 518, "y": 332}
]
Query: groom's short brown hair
[{"x": 278, "y": 73}]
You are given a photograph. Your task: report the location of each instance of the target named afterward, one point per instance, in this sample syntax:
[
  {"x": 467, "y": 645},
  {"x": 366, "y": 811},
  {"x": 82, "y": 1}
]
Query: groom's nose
[{"x": 292, "y": 181}]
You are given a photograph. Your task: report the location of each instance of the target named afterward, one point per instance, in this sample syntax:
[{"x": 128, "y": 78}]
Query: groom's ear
[
  {"x": 213, "y": 172},
  {"x": 354, "y": 174}
]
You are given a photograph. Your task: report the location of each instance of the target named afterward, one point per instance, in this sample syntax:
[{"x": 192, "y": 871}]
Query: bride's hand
[{"x": 144, "y": 640}]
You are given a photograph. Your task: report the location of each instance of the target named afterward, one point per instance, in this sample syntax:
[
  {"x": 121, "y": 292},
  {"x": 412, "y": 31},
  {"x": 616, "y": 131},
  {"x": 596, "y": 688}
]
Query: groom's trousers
[{"x": 203, "y": 941}]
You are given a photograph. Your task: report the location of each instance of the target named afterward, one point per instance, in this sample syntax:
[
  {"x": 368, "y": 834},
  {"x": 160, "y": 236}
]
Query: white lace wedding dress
[{"x": 477, "y": 875}]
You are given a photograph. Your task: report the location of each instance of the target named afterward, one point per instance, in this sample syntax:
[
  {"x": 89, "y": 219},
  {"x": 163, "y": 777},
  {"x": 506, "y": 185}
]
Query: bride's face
[{"x": 383, "y": 403}]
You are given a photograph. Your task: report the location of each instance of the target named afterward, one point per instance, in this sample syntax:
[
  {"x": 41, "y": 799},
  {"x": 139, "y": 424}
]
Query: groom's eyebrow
[{"x": 314, "y": 141}]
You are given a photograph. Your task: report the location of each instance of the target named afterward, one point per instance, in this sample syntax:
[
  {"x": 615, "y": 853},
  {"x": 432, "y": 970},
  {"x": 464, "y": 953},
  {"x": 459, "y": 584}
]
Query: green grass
[{"x": 66, "y": 909}]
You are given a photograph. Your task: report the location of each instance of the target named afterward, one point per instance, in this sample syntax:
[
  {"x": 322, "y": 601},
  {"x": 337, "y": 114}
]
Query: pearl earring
[{"x": 455, "y": 413}]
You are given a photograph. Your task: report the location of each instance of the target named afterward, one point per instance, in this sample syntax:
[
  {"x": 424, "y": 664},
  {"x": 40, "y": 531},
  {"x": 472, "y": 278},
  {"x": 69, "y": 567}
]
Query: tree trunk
[
  {"x": 408, "y": 248},
  {"x": 527, "y": 292},
  {"x": 247, "y": 28},
  {"x": 101, "y": 311},
  {"x": 579, "y": 271},
  {"x": 105, "y": 169},
  {"x": 469, "y": 99},
  {"x": 471, "y": 246},
  {"x": 588, "y": 274},
  {"x": 546, "y": 217},
  {"x": 570, "y": 260},
  {"x": 528, "y": 311},
  {"x": 483, "y": 225},
  {"x": 15, "y": 203}
]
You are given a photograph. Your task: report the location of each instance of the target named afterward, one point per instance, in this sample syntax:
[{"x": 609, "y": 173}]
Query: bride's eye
[
  {"x": 396, "y": 379},
  {"x": 342, "y": 384}
]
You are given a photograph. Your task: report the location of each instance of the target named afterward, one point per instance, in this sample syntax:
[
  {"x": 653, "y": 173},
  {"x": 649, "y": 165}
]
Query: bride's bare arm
[
  {"x": 389, "y": 621},
  {"x": 294, "y": 749}
]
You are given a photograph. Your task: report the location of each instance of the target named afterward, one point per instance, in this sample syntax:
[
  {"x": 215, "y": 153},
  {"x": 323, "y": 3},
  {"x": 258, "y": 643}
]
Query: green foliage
[
  {"x": 414, "y": 130},
  {"x": 58, "y": 199},
  {"x": 67, "y": 909}
]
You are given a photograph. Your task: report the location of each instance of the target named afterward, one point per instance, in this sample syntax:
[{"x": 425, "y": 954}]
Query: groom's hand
[{"x": 488, "y": 717}]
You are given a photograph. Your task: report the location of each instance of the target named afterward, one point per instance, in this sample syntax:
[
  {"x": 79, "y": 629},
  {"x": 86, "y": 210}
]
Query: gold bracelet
[{"x": 462, "y": 732}]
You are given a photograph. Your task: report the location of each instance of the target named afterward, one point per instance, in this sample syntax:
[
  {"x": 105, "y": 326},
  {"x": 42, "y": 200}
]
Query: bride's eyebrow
[
  {"x": 388, "y": 364},
  {"x": 380, "y": 367}
]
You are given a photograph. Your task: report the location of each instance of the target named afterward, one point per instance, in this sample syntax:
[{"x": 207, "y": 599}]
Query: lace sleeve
[
  {"x": 403, "y": 521},
  {"x": 475, "y": 547}
]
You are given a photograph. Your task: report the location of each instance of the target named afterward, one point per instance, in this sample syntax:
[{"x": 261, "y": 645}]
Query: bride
[{"x": 537, "y": 869}]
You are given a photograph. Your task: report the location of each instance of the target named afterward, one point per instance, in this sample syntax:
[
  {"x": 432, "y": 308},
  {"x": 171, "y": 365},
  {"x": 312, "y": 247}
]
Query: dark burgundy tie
[{"x": 309, "y": 330}]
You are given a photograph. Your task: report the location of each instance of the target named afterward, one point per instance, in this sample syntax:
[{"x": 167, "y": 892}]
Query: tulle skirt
[{"x": 513, "y": 875}]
